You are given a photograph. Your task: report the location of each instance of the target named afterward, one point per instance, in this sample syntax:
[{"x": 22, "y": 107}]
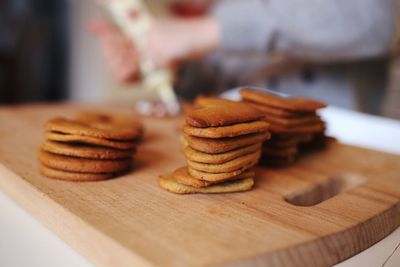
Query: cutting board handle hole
[{"x": 325, "y": 190}]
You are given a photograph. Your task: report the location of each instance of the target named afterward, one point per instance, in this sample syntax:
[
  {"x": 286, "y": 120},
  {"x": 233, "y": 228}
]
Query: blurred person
[
  {"x": 332, "y": 50},
  {"x": 391, "y": 104}
]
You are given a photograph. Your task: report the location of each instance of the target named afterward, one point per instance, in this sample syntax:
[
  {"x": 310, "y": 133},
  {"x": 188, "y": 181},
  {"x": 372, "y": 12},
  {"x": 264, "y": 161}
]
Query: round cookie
[
  {"x": 317, "y": 141},
  {"x": 280, "y": 152},
  {"x": 217, "y": 177},
  {"x": 245, "y": 161},
  {"x": 74, "y": 176},
  {"x": 183, "y": 141},
  {"x": 296, "y": 104},
  {"x": 116, "y": 120},
  {"x": 282, "y": 141},
  {"x": 71, "y": 138},
  {"x": 72, "y": 164},
  {"x": 202, "y": 157},
  {"x": 85, "y": 151},
  {"x": 214, "y": 146},
  {"x": 303, "y": 138},
  {"x": 223, "y": 114},
  {"x": 304, "y": 129},
  {"x": 276, "y": 161},
  {"x": 169, "y": 184},
  {"x": 182, "y": 176},
  {"x": 107, "y": 117},
  {"x": 283, "y": 144},
  {"x": 281, "y": 113},
  {"x": 97, "y": 129},
  {"x": 203, "y": 101},
  {"x": 293, "y": 122},
  {"x": 227, "y": 131}
]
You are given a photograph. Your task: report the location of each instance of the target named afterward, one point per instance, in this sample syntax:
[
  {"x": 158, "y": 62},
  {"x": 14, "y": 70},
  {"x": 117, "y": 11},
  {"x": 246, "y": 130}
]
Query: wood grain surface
[{"x": 327, "y": 207}]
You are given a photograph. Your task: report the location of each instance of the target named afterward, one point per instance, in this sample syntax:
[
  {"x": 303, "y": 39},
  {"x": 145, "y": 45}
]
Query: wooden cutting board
[{"x": 130, "y": 221}]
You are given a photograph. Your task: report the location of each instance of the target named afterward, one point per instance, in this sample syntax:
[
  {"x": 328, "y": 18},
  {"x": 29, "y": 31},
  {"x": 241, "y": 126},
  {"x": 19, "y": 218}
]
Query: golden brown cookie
[
  {"x": 278, "y": 112},
  {"x": 283, "y": 143},
  {"x": 280, "y": 152},
  {"x": 223, "y": 115},
  {"x": 71, "y": 138},
  {"x": 85, "y": 151},
  {"x": 222, "y": 145},
  {"x": 182, "y": 176},
  {"x": 305, "y": 129},
  {"x": 94, "y": 129},
  {"x": 303, "y": 138},
  {"x": 277, "y": 162},
  {"x": 73, "y": 164},
  {"x": 218, "y": 177},
  {"x": 291, "y": 136},
  {"x": 74, "y": 176},
  {"x": 245, "y": 161},
  {"x": 227, "y": 131},
  {"x": 203, "y": 101},
  {"x": 297, "y": 104},
  {"x": 126, "y": 121},
  {"x": 293, "y": 122},
  {"x": 168, "y": 183},
  {"x": 202, "y": 157},
  {"x": 318, "y": 141},
  {"x": 183, "y": 141}
]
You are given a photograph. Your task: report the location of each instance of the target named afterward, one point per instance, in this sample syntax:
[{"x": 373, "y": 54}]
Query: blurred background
[{"x": 47, "y": 54}]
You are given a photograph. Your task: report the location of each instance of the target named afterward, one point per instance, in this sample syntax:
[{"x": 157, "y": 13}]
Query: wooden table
[{"x": 130, "y": 220}]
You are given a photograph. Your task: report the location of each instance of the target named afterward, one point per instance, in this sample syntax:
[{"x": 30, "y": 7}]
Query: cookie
[
  {"x": 73, "y": 164},
  {"x": 280, "y": 152},
  {"x": 293, "y": 122},
  {"x": 303, "y": 138},
  {"x": 217, "y": 177},
  {"x": 222, "y": 145},
  {"x": 225, "y": 114},
  {"x": 278, "y": 112},
  {"x": 71, "y": 138},
  {"x": 119, "y": 121},
  {"x": 204, "y": 101},
  {"x": 182, "y": 176},
  {"x": 74, "y": 176},
  {"x": 305, "y": 129},
  {"x": 318, "y": 141},
  {"x": 277, "y": 162},
  {"x": 276, "y": 142},
  {"x": 245, "y": 161},
  {"x": 297, "y": 104},
  {"x": 227, "y": 131},
  {"x": 202, "y": 157},
  {"x": 85, "y": 151},
  {"x": 125, "y": 121},
  {"x": 283, "y": 143},
  {"x": 291, "y": 136},
  {"x": 169, "y": 184},
  {"x": 97, "y": 129}
]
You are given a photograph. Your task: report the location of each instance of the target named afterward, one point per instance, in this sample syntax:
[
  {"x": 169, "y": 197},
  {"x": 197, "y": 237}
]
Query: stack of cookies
[
  {"x": 222, "y": 140},
  {"x": 294, "y": 123},
  {"x": 89, "y": 147}
]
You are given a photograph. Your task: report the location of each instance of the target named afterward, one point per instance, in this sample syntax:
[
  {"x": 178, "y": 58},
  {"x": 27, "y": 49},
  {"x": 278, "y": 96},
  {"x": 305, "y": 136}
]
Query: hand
[
  {"x": 118, "y": 51},
  {"x": 169, "y": 42},
  {"x": 175, "y": 40}
]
